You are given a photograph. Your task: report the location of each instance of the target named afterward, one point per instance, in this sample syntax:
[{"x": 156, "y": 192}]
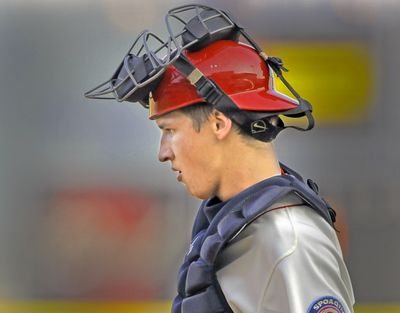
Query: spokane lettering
[{"x": 324, "y": 302}]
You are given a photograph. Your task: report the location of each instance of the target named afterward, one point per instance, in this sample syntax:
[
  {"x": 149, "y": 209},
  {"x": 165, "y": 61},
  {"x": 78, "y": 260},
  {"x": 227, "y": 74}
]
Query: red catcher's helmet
[{"x": 236, "y": 68}]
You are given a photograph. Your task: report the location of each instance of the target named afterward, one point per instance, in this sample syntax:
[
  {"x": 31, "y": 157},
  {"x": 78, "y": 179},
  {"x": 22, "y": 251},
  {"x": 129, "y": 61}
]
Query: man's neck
[{"x": 247, "y": 167}]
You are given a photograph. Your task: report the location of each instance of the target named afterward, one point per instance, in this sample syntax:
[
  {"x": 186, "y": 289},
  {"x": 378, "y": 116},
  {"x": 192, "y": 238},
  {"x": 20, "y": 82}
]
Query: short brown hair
[{"x": 200, "y": 113}]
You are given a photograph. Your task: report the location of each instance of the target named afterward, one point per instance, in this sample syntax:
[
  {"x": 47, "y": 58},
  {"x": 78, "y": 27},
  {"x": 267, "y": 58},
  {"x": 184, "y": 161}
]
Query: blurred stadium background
[{"x": 91, "y": 222}]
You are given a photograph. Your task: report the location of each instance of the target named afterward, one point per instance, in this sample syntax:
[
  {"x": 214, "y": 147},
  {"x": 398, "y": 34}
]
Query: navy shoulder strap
[
  {"x": 230, "y": 221},
  {"x": 201, "y": 221}
]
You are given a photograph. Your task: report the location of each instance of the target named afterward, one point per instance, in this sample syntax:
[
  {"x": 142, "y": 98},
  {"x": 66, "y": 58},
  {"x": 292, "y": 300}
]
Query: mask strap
[
  {"x": 304, "y": 107},
  {"x": 208, "y": 90}
]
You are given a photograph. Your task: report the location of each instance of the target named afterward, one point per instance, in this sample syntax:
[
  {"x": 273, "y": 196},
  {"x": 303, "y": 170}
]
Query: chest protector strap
[{"x": 198, "y": 287}]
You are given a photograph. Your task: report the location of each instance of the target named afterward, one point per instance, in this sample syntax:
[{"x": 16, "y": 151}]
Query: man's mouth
[{"x": 179, "y": 176}]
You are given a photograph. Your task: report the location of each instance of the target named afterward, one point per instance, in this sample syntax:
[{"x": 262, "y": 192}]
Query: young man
[{"x": 263, "y": 240}]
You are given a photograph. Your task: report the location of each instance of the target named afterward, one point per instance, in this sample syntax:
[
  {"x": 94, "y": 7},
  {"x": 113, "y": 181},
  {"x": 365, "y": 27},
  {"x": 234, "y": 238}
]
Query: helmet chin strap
[{"x": 256, "y": 123}]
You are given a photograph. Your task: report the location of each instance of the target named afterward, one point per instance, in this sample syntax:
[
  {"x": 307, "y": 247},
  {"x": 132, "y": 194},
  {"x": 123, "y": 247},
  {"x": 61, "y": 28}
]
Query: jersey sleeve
[{"x": 287, "y": 261}]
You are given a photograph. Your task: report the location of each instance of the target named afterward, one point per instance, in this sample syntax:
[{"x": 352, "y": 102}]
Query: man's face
[{"x": 192, "y": 153}]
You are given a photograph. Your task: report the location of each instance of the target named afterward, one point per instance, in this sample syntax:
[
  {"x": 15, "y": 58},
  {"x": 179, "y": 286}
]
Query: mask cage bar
[{"x": 140, "y": 49}]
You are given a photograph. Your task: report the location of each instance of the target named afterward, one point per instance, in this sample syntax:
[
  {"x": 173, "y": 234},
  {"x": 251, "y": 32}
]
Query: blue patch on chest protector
[{"x": 327, "y": 304}]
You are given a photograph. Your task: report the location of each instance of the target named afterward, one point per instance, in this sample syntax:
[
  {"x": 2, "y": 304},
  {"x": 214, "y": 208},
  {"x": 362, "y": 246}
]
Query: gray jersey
[{"x": 286, "y": 261}]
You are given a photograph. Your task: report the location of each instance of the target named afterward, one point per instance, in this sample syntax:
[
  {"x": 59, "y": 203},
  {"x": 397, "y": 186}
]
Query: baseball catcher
[{"x": 264, "y": 239}]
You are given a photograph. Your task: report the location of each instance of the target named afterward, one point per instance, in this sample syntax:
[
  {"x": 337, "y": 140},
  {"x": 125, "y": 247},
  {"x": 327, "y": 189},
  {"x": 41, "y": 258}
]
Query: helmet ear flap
[{"x": 264, "y": 128}]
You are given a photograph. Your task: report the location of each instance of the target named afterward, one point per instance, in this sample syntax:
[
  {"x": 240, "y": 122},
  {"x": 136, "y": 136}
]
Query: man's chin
[{"x": 198, "y": 194}]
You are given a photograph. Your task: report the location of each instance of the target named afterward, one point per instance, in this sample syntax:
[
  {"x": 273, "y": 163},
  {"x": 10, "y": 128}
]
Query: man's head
[
  {"x": 193, "y": 147},
  {"x": 202, "y": 143},
  {"x": 201, "y": 62},
  {"x": 196, "y": 140}
]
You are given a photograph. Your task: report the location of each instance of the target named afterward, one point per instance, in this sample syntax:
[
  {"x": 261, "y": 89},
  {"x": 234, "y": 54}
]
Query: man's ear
[{"x": 222, "y": 125}]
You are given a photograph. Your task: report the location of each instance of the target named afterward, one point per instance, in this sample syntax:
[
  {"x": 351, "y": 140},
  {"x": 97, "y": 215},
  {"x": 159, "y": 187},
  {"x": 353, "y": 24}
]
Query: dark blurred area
[{"x": 86, "y": 210}]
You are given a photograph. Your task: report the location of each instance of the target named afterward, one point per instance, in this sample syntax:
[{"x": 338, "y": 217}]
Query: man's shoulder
[
  {"x": 275, "y": 230},
  {"x": 272, "y": 232},
  {"x": 286, "y": 222}
]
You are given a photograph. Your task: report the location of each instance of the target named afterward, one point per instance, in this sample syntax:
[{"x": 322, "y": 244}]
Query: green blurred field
[{"x": 118, "y": 307}]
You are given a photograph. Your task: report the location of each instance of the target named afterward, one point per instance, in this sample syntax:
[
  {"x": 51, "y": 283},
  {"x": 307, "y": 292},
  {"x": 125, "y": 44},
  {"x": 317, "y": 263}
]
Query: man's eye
[{"x": 169, "y": 131}]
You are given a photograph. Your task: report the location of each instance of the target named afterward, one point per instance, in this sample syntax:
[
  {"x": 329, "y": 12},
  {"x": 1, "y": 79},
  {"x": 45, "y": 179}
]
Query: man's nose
[{"x": 165, "y": 152}]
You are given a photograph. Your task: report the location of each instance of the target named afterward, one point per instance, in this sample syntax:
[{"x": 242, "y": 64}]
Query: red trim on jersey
[{"x": 287, "y": 206}]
